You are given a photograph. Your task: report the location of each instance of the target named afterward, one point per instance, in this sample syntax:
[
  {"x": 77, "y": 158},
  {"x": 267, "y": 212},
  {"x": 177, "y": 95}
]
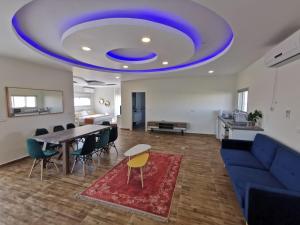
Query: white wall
[
  {"x": 262, "y": 84},
  {"x": 14, "y": 131},
  {"x": 195, "y": 100},
  {"x": 107, "y": 93}
]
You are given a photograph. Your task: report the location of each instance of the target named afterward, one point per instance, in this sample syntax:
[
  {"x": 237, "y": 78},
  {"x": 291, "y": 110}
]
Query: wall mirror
[{"x": 31, "y": 102}]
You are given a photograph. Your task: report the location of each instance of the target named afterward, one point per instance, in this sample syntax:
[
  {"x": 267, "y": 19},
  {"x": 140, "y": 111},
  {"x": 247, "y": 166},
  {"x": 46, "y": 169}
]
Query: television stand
[{"x": 167, "y": 126}]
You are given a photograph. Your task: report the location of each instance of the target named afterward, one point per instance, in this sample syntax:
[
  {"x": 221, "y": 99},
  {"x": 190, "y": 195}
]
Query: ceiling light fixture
[
  {"x": 146, "y": 39},
  {"x": 125, "y": 67},
  {"x": 85, "y": 48},
  {"x": 117, "y": 77},
  {"x": 211, "y": 72},
  {"x": 165, "y": 62}
]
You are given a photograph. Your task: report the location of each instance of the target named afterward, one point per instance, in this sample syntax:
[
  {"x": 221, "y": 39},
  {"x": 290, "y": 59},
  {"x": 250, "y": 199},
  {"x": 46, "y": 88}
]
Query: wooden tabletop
[{"x": 70, "y": 134}]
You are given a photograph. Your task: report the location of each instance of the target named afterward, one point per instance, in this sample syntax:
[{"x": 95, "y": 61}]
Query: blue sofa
[{"x": 265, "y": 175}]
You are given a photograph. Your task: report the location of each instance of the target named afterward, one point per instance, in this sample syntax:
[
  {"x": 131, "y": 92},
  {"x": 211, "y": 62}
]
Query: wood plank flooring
[{"x": 203, "y": 193}]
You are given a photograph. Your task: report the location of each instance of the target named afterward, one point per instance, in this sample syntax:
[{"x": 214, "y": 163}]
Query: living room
[{"x": 214, "y": 140}]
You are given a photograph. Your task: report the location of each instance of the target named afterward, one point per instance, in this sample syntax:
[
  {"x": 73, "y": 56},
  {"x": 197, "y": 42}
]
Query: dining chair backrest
[
  {"x": 89, "y": 145},
  {"x": 58, "y": 128},
  {"x": 70, "y": 126},
  {"x": 34, "y": 149},
  {"x": 113, "y": 134},
  {"x": 103, "y": 138},
  {"x": 41, "y": 131},
  {"x": 106, "y": 123}
]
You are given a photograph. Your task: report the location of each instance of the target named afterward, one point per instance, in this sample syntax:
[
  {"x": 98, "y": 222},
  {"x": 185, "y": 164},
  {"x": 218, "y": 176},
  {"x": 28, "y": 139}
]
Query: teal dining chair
[
  {"x": 35, "y": 151},
  {"x": 85, "y": 153},
  {"x": 101, "y": 143}
]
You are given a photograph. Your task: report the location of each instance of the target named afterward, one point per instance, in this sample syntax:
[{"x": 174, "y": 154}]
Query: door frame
[{"x": 131, "y": 113}]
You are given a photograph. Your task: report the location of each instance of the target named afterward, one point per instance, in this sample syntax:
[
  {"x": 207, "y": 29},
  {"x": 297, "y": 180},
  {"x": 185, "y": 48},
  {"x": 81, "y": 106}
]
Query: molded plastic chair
[
  {"x": 102, "y": 142},
  {"x": 113, "y": 136},
  {"x": 106, "y": 123},
  {"x": 85, "y": 153},
  {"x": 43, "y": 131},
  {"x": 35, "y": 151},
  {"x": 70, "y": 126},
  {"x": 58, "y": 128}
]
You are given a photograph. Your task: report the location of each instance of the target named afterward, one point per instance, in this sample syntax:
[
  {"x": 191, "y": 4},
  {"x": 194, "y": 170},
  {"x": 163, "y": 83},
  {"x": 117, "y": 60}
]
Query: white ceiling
[{"x": 257, "y": 25}]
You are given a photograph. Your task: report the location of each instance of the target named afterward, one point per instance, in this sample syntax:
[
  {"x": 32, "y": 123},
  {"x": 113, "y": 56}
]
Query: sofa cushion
[
  {"x": 242, "y": 176},
  {"x": 286, "y": 168},
  {"x": 264, "y": 149},
  {"x": 240, "y": 158}
]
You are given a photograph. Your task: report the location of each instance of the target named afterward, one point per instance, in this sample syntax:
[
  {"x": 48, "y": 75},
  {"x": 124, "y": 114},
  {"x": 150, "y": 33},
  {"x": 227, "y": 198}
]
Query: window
[
  {"x": 82, "y": 101},
  {"x": 23, "y": 102},
  {"x": 243, "y": 100}
]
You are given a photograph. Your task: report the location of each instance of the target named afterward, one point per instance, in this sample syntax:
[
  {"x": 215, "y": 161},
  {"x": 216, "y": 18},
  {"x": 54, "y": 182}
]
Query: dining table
[{"x": 66, "y": 138}]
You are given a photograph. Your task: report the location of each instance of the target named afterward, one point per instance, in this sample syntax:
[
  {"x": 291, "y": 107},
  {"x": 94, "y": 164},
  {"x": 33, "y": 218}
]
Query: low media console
[{"x": 167, "y": 126}]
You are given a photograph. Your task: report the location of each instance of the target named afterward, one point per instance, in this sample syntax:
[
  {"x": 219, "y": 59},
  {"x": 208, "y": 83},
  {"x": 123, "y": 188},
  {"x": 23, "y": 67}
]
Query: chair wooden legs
[
  {"x": 42, "y": 168},
  {"x": 44, "y": 163},
  {"x": 141, "y": 169},
  {"x": 33, "y": 165},
  {"x": 128, "y": 174},
  {"x": 84, "y": 160},
  {"x": 74, "y": 163},
  {"x": 113, "y": 144},
  {"x": 83, "y": 167},
  {"x": 56, "y": 167}
]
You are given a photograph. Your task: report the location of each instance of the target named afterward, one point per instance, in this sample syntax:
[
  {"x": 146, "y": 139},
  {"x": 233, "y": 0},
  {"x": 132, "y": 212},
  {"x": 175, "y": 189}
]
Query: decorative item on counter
[
  {"x": 107, "y": 103},
  {"x": 255, "y": 117},
  {"x": 101, "y": 101}
]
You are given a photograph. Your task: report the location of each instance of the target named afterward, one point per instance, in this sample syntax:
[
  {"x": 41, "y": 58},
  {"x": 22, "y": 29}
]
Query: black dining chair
[
  {"x": 43, "y": 131},
  {"x": 113, "y": 136},
  {"x": 58, "y": 128},
  {"x": 106, "y": 123},
  {"x": 85, "y": 153},
  {"x": 44, "y": 157},
  {"x": 102, "y": 140},
  {"x": 70, "y": 126}
]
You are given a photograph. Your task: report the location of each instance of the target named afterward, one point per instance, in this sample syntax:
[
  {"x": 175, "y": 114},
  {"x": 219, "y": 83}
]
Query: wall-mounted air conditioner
[
  {"x": 286, "y": 52},
  {"x": 89, "y": 90}
]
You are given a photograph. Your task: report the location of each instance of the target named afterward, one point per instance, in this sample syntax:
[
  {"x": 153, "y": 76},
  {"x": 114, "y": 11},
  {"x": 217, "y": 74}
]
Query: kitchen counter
[{"x": 239, "y": 126}]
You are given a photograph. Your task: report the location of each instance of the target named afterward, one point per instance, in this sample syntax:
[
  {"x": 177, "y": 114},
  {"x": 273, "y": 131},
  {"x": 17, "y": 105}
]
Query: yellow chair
[{"x": 138, "y": 161}]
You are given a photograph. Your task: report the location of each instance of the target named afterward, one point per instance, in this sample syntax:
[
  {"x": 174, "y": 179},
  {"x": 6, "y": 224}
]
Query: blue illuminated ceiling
[
  {"x": 154, "y": 16},
  {"x": 131, "y": 55}
]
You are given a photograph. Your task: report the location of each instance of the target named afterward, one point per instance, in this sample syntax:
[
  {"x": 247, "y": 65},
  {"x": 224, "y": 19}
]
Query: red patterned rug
[{"x": 160, "y": 175}]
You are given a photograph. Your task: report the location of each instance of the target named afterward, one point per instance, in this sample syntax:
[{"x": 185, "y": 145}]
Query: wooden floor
[{"x": 203, "y": 193}]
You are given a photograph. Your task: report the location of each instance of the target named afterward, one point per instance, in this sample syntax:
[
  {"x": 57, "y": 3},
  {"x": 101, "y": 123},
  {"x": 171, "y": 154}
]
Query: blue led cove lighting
[
  {"x": 153, "y": 16},
  {"x": 114, "y": 55}
]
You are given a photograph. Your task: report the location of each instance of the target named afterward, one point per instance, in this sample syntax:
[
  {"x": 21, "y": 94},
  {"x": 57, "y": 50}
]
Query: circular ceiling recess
[
  {"x": 133, "y": 36},
  {"x": 131, "y": 55}
]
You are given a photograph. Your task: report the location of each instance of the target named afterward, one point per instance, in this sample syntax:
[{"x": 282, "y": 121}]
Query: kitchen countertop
[{"x": 235, "y": 126}]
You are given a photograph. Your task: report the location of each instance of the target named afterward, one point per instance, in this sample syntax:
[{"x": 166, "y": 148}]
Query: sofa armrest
[
  {"x": 237, "y": 144},
  {"x": 266, "y": 206}
]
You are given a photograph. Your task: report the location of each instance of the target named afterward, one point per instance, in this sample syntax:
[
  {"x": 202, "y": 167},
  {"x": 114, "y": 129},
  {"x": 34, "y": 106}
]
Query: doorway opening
[{"x": 138, "y": 111}]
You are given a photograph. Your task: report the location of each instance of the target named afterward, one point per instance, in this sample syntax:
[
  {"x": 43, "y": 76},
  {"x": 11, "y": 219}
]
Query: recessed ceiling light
[
  {"x": 125, "y": 67},
  {"x": 211, "y": 72},
  {"x": 117, "y": 77},
  {"x": 165, "y": 62},
  {"x": 85, "y": 48},
  {"x": 146, "y": 39}
]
